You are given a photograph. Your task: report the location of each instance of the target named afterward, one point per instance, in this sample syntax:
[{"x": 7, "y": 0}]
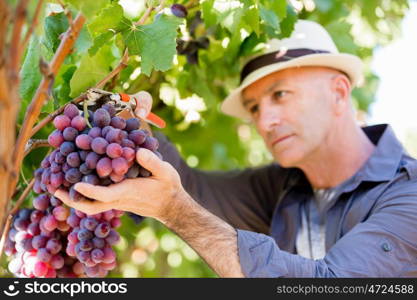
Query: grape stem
[{"x": 35, "y": 143}]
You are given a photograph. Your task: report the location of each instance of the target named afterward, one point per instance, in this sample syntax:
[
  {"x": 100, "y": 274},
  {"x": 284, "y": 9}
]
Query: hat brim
[{"x": 347, "y": 63}]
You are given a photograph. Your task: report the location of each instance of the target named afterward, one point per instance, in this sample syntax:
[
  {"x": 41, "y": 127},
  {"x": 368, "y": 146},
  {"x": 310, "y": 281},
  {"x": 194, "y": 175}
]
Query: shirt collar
[{"x": 382, "y": 165}]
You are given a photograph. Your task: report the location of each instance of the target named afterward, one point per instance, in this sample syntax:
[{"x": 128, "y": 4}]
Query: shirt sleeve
[
  {"x": 384, "y": 245},
  {"x": 243, "y": 198}
]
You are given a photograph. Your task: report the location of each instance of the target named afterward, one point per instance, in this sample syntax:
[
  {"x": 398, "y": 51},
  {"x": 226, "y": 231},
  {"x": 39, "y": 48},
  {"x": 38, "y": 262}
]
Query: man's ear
[{"x": 341, "y": 88}]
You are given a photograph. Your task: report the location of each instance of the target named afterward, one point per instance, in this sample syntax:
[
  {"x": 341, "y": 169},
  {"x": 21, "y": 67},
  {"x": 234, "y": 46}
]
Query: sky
[{"x": 396, "y": 65}]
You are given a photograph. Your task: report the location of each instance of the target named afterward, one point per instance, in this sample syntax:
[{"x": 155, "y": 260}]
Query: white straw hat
[{"x": 309, "y": 45}]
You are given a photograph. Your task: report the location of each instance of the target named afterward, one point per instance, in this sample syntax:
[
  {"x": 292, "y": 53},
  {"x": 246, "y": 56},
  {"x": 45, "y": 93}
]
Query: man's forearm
[{"x": 212, "y": 238}]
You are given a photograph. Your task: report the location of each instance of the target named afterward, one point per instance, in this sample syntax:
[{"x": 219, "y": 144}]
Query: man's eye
[
  {"x": 279, "y": 94},
  {"x": 253, "y": 109}
]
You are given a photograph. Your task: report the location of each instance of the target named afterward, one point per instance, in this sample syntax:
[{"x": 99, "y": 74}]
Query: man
[{"x": 341, "y": 201}]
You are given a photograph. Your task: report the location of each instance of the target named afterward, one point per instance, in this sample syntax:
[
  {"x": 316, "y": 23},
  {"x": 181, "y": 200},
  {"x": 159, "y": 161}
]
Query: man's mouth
[{"x": 281, "y": 139}]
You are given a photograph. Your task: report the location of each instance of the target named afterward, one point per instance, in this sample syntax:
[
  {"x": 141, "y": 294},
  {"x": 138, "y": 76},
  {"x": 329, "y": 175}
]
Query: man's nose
[{"x": 269, "y": 116}]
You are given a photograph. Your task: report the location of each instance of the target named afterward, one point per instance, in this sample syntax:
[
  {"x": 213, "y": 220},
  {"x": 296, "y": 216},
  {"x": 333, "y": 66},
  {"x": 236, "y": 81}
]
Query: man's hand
[{"x": 149, "y": 197}]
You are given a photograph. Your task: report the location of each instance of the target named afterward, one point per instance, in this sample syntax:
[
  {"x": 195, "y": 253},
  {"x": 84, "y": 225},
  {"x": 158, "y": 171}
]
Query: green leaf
[
  {"x": 89, "y": 8},
  {"x": 287, "y": 25},
  {"x": 99, "y": 41},
  {"x": 269, "y": 17},
  {"x": 91, "y": 70},
  {"x": 155, "y": 43},
  {"x": 108, "y": 18},
  {"x": 30, "y": 74},
  {"x": 54, "y": 26},
  {"x": 251, "y": 17},
  {"x": 83, "y": 42},
  {"x": 209, "y": 16}
]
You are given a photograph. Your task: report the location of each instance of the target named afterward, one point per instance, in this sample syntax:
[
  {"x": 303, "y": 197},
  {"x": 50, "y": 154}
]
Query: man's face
[{"x": 292, "y": 110}]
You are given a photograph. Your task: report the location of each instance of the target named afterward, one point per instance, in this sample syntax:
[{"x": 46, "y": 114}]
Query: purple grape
[
  {"x": 84, "y": 234},
  {"x": 110, "y": 109},
  {"x": 65, "y": 167},
  {"x": 70, "y": 134},
  {"x": 55, "y": 168},
  {"x": 55, "y": 139},
  {"x": 95, "y": 132},
  {"x": 71, "y": 111},
  {"x": 57, "y": 262},
  {"x": 102, "y": 230},
  {"x": 114, "y": 150},
  {"x": 74, "y": 195},
  {"x": 61, "y": 122},
  {"x": 60, "y": 213},
  {"x": 113, "y": 237},
  {"x": 84, "y": 169},
  {"x": 57, "y": 179},
  {"x": 118, "y": 122},
  {"x": 59, "y": 158},
  {"x": 92, "y": 271},
  {"x": 133, "y": 171},
  {"x": 91, "y": 179},
  {"x": 38, "y": 172},
  {"x": 46, "y": 176},
  {"x": 73, "y": 175},
  {"x": 116, "y": 177},
  {"x": 66, "y": 148},
  {"x": 73, "y": 220},
  {"x": 114, "y": 135},
  {"x": 84, "y": 141},
  {"x": 104, "y": 167},
  {"x": 83, "y": 154},
  {"x": 98, "y": 243},
  {"x": 128, "y": 143},
  {"x": 179, "y": 10},
  {"x": 55, "y": 201},
  {"x": 144, "y": 173},
  {"x": 119, "y": 166},
  {"x": 106, "y": 130},
  {"x": 86, "y": 245},
  {"x": 39, "y": 241},
  {"x": 43, "y": 255},
  {"x": 89, "y": 223},
  {"x": 109, "y": 255},
  {"x": 128, "y": 154},
  {"x": 101, "y": 118},
  {"x": 24, "y": 213},
  {"x": 34, "y": 229},
  {"x": 21, "y": 224},
  {"x": 90, "y": 115},
  {"x": 97, "y": 255},
  {"x": 132, "y": 124},
  {"x": 79, "y": 123},
  {"x": 91, "y": 160},
  {"x": 72, "y": 237},
  {"x": 73, "y": 159},
  {"x": 99, "y": 145},
  {"x": 36, "y": 216},
  {"x": 150, "y": 143},
  {"x": 41, "y": 202},
  {"x": 53, "y": 246},
  {"x": 137, "y": 136},
  {"x": 49, "y": 223}
]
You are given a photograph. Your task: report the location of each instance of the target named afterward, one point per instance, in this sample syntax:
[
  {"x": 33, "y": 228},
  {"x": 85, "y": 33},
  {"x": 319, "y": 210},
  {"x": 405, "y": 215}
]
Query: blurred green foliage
[{"x": 188, "y": 95}]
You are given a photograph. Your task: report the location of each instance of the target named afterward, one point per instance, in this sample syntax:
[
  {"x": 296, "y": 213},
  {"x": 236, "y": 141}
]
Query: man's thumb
[{"x": 150, "y": 161}]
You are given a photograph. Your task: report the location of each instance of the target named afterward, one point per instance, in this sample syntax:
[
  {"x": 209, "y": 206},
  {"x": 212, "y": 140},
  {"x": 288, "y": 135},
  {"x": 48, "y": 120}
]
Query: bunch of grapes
[
  {"x": 37, "y": 241},
  {"x": 91, "y": 238},
  {"x": 52, "y": 240}
]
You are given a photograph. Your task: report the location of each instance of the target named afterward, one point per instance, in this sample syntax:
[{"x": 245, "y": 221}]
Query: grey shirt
[{"x": 371, "y": 222}]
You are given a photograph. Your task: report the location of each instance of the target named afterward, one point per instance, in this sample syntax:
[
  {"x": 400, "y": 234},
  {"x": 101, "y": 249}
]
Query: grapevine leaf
[
  {"x": 270, "y": 18},
  {"x": 209, "y": 15},
  {"x": 91, "y": 70},
  {"x": 30, "y": 74},
  {"x": 88, "y": 8},
  {"x": 287, "y": 25},
  {"x": 99, "y": 41},
  {"x": 54, "y": 26},
  {"x": 155, "y": 43},
  {"x": 108, "y": 18}
]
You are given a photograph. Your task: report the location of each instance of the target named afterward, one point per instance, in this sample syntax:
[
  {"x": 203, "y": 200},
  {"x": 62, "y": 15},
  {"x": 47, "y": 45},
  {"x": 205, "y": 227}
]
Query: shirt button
[{"x": 386, "y": 247}]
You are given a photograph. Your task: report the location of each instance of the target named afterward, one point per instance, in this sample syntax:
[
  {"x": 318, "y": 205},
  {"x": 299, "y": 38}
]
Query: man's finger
[
  {"x": 100, "y": 193},
  {"x": 152, "y": 163},
  {"x": 143, "y": 103},
  {"x": 86, "y": 206}
]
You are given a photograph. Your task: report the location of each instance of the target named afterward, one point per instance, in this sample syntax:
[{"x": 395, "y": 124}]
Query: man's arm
[{"x": 212, "y": 238}]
